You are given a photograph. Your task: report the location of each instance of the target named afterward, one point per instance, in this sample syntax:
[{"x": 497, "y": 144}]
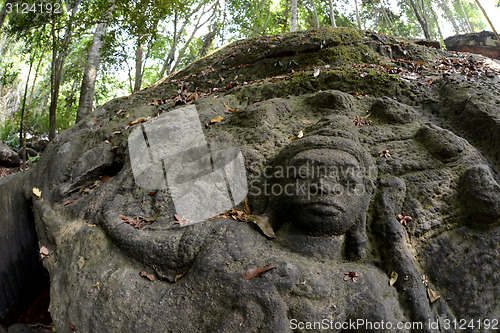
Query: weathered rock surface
[
  {"x": 484, "y": 42},
  {"x": 440, "y": 167},
  {"x": 8, "y": 157}
]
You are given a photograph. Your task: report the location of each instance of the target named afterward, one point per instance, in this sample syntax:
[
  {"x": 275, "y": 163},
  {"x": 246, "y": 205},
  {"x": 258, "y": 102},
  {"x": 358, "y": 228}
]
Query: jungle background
[{"x": 59, "y": 60}]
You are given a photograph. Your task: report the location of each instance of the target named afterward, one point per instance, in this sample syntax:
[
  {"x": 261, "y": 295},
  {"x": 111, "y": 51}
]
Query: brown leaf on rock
[
  {"x": 404, "y": 218},
  {"x": 145, "y": 275},
  {"x": 351, "y": 275},
  {"x": 246, "y": 207},
  {"x": 229, "y": 110},
  {"x": 433, "y": 295},
  {"x": 181, "y": 220},
  {"x": 234, "y": 214},
  {"x": 178, "y": 276},
  {"x": 104, "y": 178},
  {"x": 44, "y": 252},
  {"x": 306, "y": 122},
  {"x": 125, "y": 219},
  {"x": 138, "y": 121},
  {"x": 72, "y": 327},
  {"x": 69, "y": 201},
  {"x": 263, "y": 223},
  {"x": 253, "y": 272}
]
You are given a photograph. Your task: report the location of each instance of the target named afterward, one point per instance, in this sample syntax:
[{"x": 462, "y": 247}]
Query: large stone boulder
[
  {"x": 366, "y": 158},
  {"x": 484, "y": 43},
  {"x": 8, "y": 157}
]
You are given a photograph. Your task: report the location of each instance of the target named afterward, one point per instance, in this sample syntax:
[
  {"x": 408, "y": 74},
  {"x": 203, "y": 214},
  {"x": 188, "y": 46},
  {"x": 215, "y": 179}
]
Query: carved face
[{"x": 324, "y": 192}]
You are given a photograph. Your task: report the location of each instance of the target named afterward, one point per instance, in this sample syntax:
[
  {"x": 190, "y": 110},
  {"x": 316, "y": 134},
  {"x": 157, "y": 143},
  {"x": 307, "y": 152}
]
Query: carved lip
[{"x": 323, "y": 207}]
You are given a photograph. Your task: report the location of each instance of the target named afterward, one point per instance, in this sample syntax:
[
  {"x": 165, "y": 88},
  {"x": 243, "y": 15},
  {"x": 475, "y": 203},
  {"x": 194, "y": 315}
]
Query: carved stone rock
[{"x": 362, "y": 173}]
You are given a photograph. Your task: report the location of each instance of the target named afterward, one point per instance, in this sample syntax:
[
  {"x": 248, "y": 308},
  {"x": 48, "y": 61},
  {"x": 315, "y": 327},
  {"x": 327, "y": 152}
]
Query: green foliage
[{"x": 151, "y": 23}]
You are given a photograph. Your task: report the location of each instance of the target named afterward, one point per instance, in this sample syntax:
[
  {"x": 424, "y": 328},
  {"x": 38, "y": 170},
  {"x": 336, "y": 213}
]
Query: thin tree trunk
[
  {"x": 197, "y": 26},
  {"x": 287, "y": 9},
  {"x": 357, "y": 14},
  {"x": 177, "y": 34},
  {"x": 293, "y": 16},
  {"x": 3, "y": 13},
  {"x": 267, "y": 19},
  {"x": 22, "y": 134},
  {"x": 183, "y": 50},
  {"x": 449, "y": 15},
  {"x": 37, "y": 70},
  {"x": 332, "y": 16},
  {"x": 421, "y": 19},
  {"x": 208, "y": 40},
  {"x": 87, "y": 91},
  {"x": 59, "y": 54},
  {"x": 487, "y": 18},
  {"x": 138, "y": 65},
  {"x": 315, "y": 13},
  {"x": 465, "y": 16}
]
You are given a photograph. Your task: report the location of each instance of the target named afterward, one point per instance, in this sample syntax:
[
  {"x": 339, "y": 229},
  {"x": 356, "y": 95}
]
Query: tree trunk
[
  {"x": 208, "y": 40},
  {"x": 332, "y": 16},
  {"x": 90, "y": 74},
  {"x": 22, "y": 130},
  {"x": 267, "y": 19},
  {"x": 315, "y": 13},
  {"x": 487, "y": 18},
  {"x": 197, "y": 26},
  {"x": 357, "y": 14},
  {"x": 287, "y": 9},
  {"x": 138, "y": 65},
  {"x": 171, "y": 54},
  {"x": 293, "y": 16},
  {"x": 421, "y": 19},
  {"x": 449, "y": 15},
  {"x": 3, "y": 13},
  {"x": 465, "y": 16},
  {"x": 59, "y": 54}
]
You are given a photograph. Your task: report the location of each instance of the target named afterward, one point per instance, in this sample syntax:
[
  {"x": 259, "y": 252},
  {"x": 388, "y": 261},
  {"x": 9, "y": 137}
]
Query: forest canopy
[{"x": 61, "y": 59}]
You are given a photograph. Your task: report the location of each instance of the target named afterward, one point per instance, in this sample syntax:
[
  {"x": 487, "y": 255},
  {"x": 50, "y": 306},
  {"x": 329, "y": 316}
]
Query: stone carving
[{"x": 341, "y": 219}]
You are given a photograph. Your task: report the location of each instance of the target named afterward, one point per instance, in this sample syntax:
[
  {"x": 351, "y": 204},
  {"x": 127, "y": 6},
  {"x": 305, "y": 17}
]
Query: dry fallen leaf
[
  {"x": 181, "y": 220},
  {"x": 178, "y": 276},
  {"x": 69, "y": 201},
  {"x": 37, "y": 192},
  {"x": 96, "y": 285},
  {"x": 104, "y": 178},
  {"x": 246, "y": 207},
  {"x": 44, "y": 252},
  {"x": 263, "y": 223},
  {"x": 306, "y": 122},
  {"x": 433, "y": 295},
  {"x": 393, "y": 279},
  {"x": 125, "y": 219},
  {"x": 253, "y": 272},
  {"x": 300, "y": 135},
  {"x": 229, "y": 110},
  {"x": 385, "y": 153},
  {"x": 138, "y": 121},
  {"x": 216, "y": 120},
  {"x": 316, "y": 72},
  {"x": 145, "y": 275}
]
